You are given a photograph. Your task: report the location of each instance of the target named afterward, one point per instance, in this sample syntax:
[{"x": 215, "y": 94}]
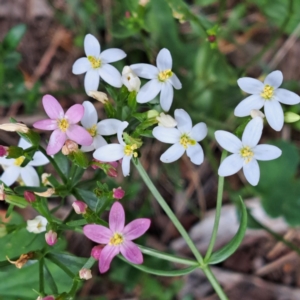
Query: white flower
[
  {"x": 114, "y": 152},
  {"x": 130, "y": 80},
  {"x": 267, "y": 94},
  {"x": 96, "y": 130},
  {"x": 37, "y": 225},
  {"x": 184, "y": 138},
  {"x": 96, "y": 64},
  {"x": 246, "y": 152},
  {"x": 162, "y": 80},
  {"x": 256, "y": 113},
  {"x": 166, "y": 121},
  {"x": 28, "y": 174}
]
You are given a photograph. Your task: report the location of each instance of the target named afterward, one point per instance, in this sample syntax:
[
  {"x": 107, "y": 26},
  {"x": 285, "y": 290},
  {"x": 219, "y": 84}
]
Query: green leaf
[
  {"x": 16, "y": 200},
  {"x": 62, "y": 162},
  {"x": 14, "y": 36},
  {"x": 231, "y": 247},
  {"x": 77, "y": 223},
  {"x": 22, "y": 189}
]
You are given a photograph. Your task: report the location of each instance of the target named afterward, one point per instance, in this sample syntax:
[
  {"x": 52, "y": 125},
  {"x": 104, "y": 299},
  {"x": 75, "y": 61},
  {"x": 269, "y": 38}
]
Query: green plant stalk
[
  {"x": 218, "y": 213},
  {"x": 61, "y": 265},
  {"x": 41, "y": 275}
]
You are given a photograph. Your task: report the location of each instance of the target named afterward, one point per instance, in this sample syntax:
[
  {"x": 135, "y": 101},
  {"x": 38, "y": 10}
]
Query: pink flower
[
  {"x": 117, "y": 237},
  {"x": 63, "y": 124}
]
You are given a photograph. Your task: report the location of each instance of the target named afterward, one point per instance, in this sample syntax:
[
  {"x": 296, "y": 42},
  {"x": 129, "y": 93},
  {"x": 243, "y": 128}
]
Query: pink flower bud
[
  {"x": 49, "y": 298},
  {"x": 118, "y": 193},
  {"x": 29, "y": 196},
  {"x": 3, "y": 151},
  {"x": 2, "y": 192},
  {"x": 85, "y": 274},
  {"x": 51, "y": 237},
  {"x": 127, "y": 14},
  {"x": 79, "y": 207},
  {"x": 96, "y": 251}
]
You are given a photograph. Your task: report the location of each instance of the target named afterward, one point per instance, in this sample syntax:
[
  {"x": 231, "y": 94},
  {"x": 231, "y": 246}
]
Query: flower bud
[
  {"x": 166, "y": 121},
  {"x": 79, "y": 207},
  {"x": 256, "y": 113},
  {"x": 46, "y": 194},
  {"x": 29, "y": 196},
  {"x": 46, "y": 298},
  {"x": 37, "y": 225},
  {"x": 13, "y": 127},
  {"x": 3, "y": 151},
  {"x": 152, "y": 113},
  {"x": 118, "y": 193},
  {"x": 290, "y": 117},
  {"x": 51, "y": 237},
  {"x": 96, "y": 251},
  {"x": 2, "y": 192},
  {"x": 69, "y": 147},
  {"x": 143, "y": 2},
  {"x": 85, "y": 274},
  {"x": 211, "y": 38},
  {"x": 130, "y": 79},
  {"x": 102, "y": 97}
]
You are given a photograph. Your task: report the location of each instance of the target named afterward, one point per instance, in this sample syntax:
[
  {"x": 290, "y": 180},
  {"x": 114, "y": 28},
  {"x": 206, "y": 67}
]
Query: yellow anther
[
  {"x": 268, "y": 92},
  {"x": 186, "y": 141},
  {"x": 129, "y": 150},
  {"x": 19, "y": 160},
  {"x": 246, "y": 153},
  {"x": 63, "y": 124},
  {"x": 117, "y": 239},
  {"x": 164, "y": 75},
  {"x": 96, "y": 63},
  {"x": 93, "y": 130}
]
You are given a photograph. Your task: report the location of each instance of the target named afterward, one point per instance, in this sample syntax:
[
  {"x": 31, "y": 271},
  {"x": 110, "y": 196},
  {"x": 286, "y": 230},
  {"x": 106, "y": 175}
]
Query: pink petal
[
  {"x": 117, "y": 218},
  {"x": 98, "y": 233},
  {"x": 106, "y": 256},
  {"x": 75, "y": 113},
  {"x": 79, "y": 135},
  {"x": 57, "y": 140},
  {"x": 52, "y": 107},
  {"x": 47, "y": 124},
  {"x": 136, "y": 228},
  {"x": 132, "y": 252}
]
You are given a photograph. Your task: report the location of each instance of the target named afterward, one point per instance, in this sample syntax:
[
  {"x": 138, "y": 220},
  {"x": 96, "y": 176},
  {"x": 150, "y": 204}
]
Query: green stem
[
  {"x": 41, "y": 275},
  {"x": 218, "y": 213},
  {"x": 60, "y": 265},
  {"x": 168, "y": 210}
]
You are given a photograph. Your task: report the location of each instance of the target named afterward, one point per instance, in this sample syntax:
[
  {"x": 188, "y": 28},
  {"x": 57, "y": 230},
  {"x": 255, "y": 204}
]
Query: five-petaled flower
[
  {"x": 63, "y": 124},
  {"x": 267, "y": 95},
  {"x": 37, "y": 225},
  {"x": 162, "y": 80},
  {"x": 184, "y": 138},
  {"x": 96, "y": 65},
  {"x": 118, "y": 237},
  {"x": 246, "y": 152}
]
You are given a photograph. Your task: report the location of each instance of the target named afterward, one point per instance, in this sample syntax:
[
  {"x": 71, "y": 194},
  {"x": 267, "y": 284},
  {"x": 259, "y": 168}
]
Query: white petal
[
  {"x": 253, "y": 132},
  {"x": 81, "y": 65},
  {"x": 99, "y": 141},
  {"x": 110, "y": 75},
  {"x": 108, "y": 126},
  {"x": 30, "y": 176},
  {"x": 39, "y": 159},
  {"x": 126, "y": 165},
  {"x": 7, "y": 161},
  {"x": 164, "y": 60},
  {"x": 166, "y": 135},
  {"x": 173, "y": 153},
  {"x": 120, "y": 131},
  {"x": 184, "y": 121},
  {"x": 199, "y": 132},
  {"x": 166, "y": 96},
  {"x": 149, "y": 91},
  {"x": 286, "y": 97},
  {"x": 251, "y": 172},
  {"x": 175, "y": 82},
  {"x": 108, "y": 153},
  {"x": 228, "y": 141},
  {"x": 24, "y": 144},
  {"x": 88, "y": 148},
  {"x": 252, "y": 102},
  {"x": 274, "y": 79},
  {"x": 112, "y": 55},
  {"x": 195, "y": 153},
  {"x": 231, "y": 165},
  {"x": 91, "y": 80},
  {"x": 250, "y": 85},
  {"x": 90, "y": 116},
  {"x": 266, "y": 152},
  {"x": 91, "y": 46},
  {"x": 274, "y": 114},
  {"x": 10, "y": 175},
  {"x": 145, "y": 70}
]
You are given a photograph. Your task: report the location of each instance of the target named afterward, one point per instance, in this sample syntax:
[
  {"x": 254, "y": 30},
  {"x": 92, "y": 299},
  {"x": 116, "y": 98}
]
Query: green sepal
[
  {"x": 15, "y": 152},
  {"x": 79, "y": 159},
  {"x": 132, "y": 100},
  {"x": 131, "y": 141}
]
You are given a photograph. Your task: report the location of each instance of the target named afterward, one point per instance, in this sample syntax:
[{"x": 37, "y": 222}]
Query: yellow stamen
[
  {"x": 164, "y": 75},
  {"x": 19, "y": 161},
  {"x": 268, "y": 92},
  {"x": 96, "y": 63},
  {"x": 129, "y": 150},
  {"x": 117, "y": 239},
  {"x": 93, "y": 130},
  {"x": 63, "y": 124},
  {"x": 186, "y": 141},
  {"x": 247, "y": 154}
]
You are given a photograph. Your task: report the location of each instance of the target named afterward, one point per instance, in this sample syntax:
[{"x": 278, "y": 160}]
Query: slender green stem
[
  {"x": 41, "y": 275},
  {"x": 60, "y": 265},
  {"x": 218, "y": 213},
  {"x": 168, "y": 211}
]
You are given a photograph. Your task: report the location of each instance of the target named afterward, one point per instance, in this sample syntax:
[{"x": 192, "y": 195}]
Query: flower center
[
  {"x": 164, "y": 75},
  {"x": 267, "y": 92},
  {"x": 129, "y": 150},
  {"x": 116, "y": 239},
  {"x": 63, "y": 124},
  {"x": 93, "y": 130},
  {"x": 246, "y": 153},
  {"x": 19, "y": 161},
  {"x": 96, "y": 63},
  {"x": 186, "y": 141}
]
